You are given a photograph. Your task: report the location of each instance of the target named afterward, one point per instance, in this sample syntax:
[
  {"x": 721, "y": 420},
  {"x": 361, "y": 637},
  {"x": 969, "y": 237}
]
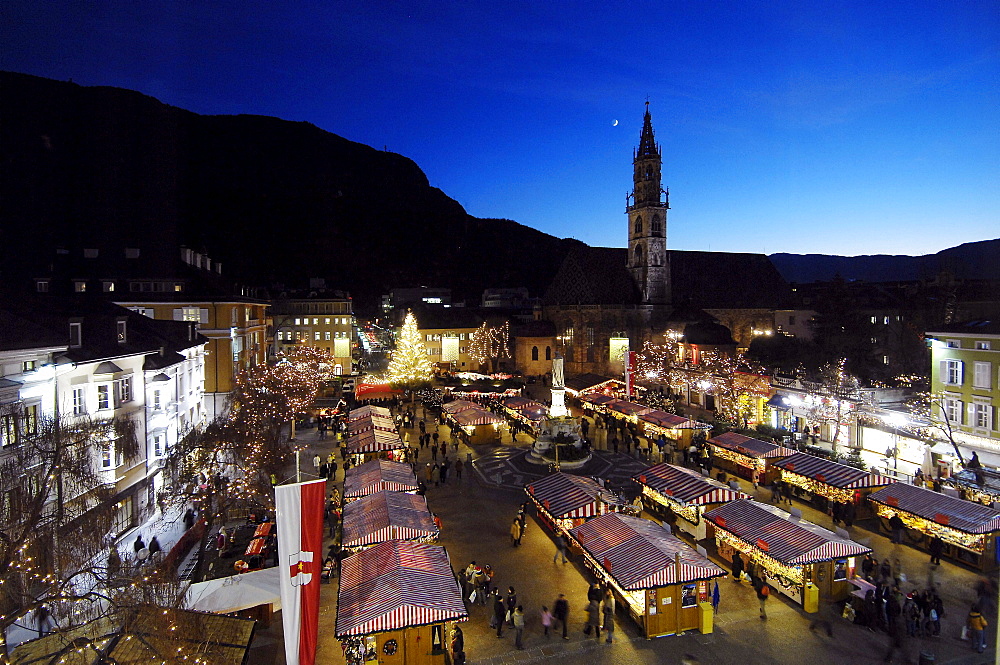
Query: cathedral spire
[{"x": 647, "y": 144}]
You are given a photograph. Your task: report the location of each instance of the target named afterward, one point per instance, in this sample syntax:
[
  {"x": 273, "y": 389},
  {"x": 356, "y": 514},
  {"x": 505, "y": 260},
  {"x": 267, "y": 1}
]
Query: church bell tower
[{"x": 646, "y": 208}]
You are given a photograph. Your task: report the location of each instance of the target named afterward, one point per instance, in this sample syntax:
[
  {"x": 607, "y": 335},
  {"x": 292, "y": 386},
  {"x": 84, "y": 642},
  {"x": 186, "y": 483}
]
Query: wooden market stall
[
  {"x": 681, "y": 496},
  {"x": 969, "y": 530},
  {"x": 822, "y": 481},
  {"x": 479, "y": 424},
  {"x": 526, "y": 411},
  {"x": 376, "y": 476},
  {"x": 627, "y": 411},
  {"x": 596, "y": 402},
  {"x": 662, "y": 581},
  {"x": 746, "y": 457},
  {"x": 375, "y": 444},
  {"x": 368, "y": 411},
  {"x": 397, "y": 604},
  {"x": 377, "y": 422},
  {"x": 582, "y": 384},
  {"x": 384, "y": 516},
  {"x": 677, "y": 430},
  {"x": 458, "y": 405},
  {"x": 801, "y": 560},
  {"x": 565, "y": 501}
]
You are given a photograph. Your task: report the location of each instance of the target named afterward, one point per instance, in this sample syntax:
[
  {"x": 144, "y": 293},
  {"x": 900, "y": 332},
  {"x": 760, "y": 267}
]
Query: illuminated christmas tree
[{"x": 409, "y": 368}]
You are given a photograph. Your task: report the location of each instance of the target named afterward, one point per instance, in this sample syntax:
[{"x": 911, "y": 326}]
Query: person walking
[
  {"x": 457, "y": 644},
  {"x": 517, "y": 618},
  {"x": 522, "y": 520},
  {"x": 737, "y": 567},
  {"x": 560, "y": 547},
  {"x": 593, "y": 619},
  {"x": 560, "y": 612},
  {"x": 546, "y": 617},
  {"x": 317, "y": 462},
  {"x": 763, "y": 591},
  {"x": 434, "y": 453},
  {"x": 511, "y": 604},
  {"x": 977, "y": 627},
  {"x": 609, "y": 615},
  {"x": 936, "y": 546},
  {"x": 436, "y": 475},
  {"x": 515, "y": 532},
  {"x": 445, "y": 465},
  {"x": 897, "y": 526},
  {"x": 498, "y": 612},
  {"x": 459, "y": 465}
]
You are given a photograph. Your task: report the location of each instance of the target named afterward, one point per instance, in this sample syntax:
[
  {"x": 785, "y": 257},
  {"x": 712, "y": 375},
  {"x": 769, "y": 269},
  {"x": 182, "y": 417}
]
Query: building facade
[{"x": 324, "y": 322}]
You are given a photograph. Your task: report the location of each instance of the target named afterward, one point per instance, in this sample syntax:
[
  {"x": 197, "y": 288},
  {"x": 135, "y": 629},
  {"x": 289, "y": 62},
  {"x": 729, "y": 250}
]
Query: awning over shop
[
  {"x": 387, "y": 516},
  {"x": 641, "y": 554},
  {"x": 628, "y": 408},
  {"x": 526, "y": 408},
  {"x": 750, "y": 447},
  {"x": 225, "y": 595},
  {"x": 831, "y": 473},
  {"x": 778, "y": 402},
  {"x": 374, "y": 441},
  {"x": 376, "y": 476},
  {"x": 367, "y": 412},
  {"x": 670, "y": 420},
  {"x": 686, "y": 486},
  {"x": 477, "y": 416},
  {"x": 375, "y": 391},
  {"x": 374, "y": 422},
  {"x": 785, "y": 539},
  {"x": 458, "y": 405},
  {"x": 942, "y": 509},
  {"x": 586, "y": 383},
  {"x": 397, "y": 585},
  {"x": 565, "y": 496}
]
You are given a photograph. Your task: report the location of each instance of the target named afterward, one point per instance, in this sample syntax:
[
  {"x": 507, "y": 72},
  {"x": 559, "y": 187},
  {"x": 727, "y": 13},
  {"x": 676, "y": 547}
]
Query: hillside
[{"x": 275, "y": 201}]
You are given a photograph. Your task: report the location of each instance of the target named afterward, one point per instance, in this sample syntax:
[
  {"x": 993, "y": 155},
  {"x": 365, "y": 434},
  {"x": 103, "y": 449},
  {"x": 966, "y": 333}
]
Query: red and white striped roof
[
  {"x": 374, "y": 441},
  {"x": 750, "y": 447},
  {"x": 397, "y": 585},
  {"x": 376, "y": 476},
  {"x": 628, "y": 408},
  {"x": 387, "y": 516},
  {"x": 476, "y": 416},
  {"x": 686, "y": 486},
  {"x": 562, "y": 496},
  {"x": 598, "y": 399},
  {"x": 458, "y": 405},
  {"x": 641, "y": 554},
  {"x": 369, "y": 423},
  {"x": 949, "y": 511},
  {"x": 670, "y": 420},
  {"x": 368, "y": 410},
  {"x": 527, "y": 408},
  {"x": 831, "y": 473},
  {"x": 772, "y": 531}
]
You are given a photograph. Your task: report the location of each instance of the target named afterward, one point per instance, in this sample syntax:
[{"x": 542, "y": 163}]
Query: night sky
[{"x": 830, "y": 127}]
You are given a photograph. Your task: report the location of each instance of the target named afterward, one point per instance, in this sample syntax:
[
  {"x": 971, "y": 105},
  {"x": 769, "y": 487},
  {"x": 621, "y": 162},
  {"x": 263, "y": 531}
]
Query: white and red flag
[{"x": 299, "y": 514}]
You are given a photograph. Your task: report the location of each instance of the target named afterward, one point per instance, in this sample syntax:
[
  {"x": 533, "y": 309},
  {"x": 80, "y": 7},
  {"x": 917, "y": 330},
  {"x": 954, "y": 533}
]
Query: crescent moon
[{"x": 614, "y": 124}]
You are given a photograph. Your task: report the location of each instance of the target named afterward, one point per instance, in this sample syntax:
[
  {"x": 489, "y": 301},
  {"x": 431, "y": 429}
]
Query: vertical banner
[
  {"x": 299, "y": 516},
  {"x": 630, "y": 359}
]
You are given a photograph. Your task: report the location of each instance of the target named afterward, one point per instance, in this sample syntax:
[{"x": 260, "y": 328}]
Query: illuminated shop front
[
  {"x": 627, "y": 411},
  {"x": 375, "y": 444},
  {"x": 662, "y": 581},
  {"x": 969, "y": 530},
  {"x": 376, "y": 476},
  {"x": 675, "y": 429},
  {"x": 582, "y": 384},
  {"x": 526, "y": 411},
  {"x": 747, "y": 457},
  {"x": 387, "y": 516},
  {"x": 412, "y": 625},
  {"x": 478, "y": 424},
  {"x": 824, "y": 481},
  {"x": 596, "y": 402},
  {"x": 797, "y": 558},
  {"x": 565, "y": 501},
  {"x": 673, "y": 490}
]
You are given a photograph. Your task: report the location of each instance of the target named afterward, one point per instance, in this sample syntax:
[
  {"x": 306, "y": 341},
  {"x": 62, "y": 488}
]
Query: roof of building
[
  {"x": 975, "y": 327},
  {"x": 584, "y": 382},
  {"x": 378, "y": 475},
  {"x": 946, "y": 510},
  {"x": 686, "y": 486},
  {"x": 831, "y": 473},
  {"x": 564, "y": 495},
  {"x": 745, "y": 445},
  {"x": 387, "y": 515}
]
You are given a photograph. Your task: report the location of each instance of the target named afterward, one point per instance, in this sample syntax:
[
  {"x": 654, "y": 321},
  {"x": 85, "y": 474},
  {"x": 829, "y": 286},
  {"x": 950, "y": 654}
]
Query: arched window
[
  {"x": 638, "y": 255},
  {"x": 638, "y": 224},
  {"x": 548, "y": 353},
  {"x": 649, "y": 173},
  {"x": 534, "y": 353},
  {"x": 654, "y": 226}
]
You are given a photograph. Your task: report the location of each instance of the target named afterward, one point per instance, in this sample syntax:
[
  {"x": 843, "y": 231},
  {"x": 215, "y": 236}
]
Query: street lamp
[{"x": 895, "y": 420}]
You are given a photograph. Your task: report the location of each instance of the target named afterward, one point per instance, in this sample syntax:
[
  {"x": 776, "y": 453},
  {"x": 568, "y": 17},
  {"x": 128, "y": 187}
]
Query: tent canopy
[
  {"x": 750, "y": 447},
  {"x": 238, "y": 592},
  {"x": 564, "y": 495},
  {"x": 686, "y": 486},
  {"x": 830, "y": 472},
  {"x": 947, "y": 510},
  {"x": 368, "y": 411},
  {"x": 387, "y": 516},
  {"x": 378, "y": 475}
]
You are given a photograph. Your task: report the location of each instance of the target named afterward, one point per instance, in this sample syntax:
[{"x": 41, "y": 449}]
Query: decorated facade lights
[{"x": 969, "y": 541}]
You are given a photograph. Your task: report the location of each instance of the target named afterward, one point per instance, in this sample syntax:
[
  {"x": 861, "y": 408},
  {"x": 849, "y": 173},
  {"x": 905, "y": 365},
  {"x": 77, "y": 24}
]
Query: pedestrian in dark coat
[
  {"x": 499, "y": 611},
  {"x": 560, "y": 611},
  {"x": 593, "y": 619},
  {"x": 560, "y": 547},
  {"x": 737, "y": 567},
  {"x": 511, "y": 604},
  {"x": 609, "y": 615},
  {"x": 936, "y": 547},
  {"x": 138, "y": 544},
  {"x": 763, "y": 591}
]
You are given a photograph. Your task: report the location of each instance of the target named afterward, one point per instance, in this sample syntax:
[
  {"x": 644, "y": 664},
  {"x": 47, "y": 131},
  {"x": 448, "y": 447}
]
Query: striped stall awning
[
  {"x": 831, "y": 473},
  {"x": 387, "y": 516},
  {"x": 476, "y": 416},
  {"x": 527, "y": 408},
  {"x": 686, "y": 486},
  {"x": 564, "y": 496},
  {"x": 629, "y": 408},
  {"x": 750, "y": 447},
  {"x": 369, "y": 423},
  {"x": 949, "y": 511},
  {"x": 376, "y": 476},
  {"x": 669, "y": 420},
  {"x": 772, "y": 531},
  {"x": 641, "y": 554},
  {"x": 397, "y": 585},
  {"x": 366, "y": 411},
  {"x": 374, "y": 441},
  {"x": 458, "y": 405},
  {"x": 597, "y": 399}
]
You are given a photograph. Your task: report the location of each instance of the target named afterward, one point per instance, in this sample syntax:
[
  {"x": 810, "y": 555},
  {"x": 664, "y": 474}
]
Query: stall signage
[
  {"x": 941, "y": 518},
  {"x": 721, "y": 521},
  {"x": 668, "y": 492},
  {"x": 820, "y": 477},
  {"x": 891, "y": 501},
  {"x": 790, "y": 466},
  {"x": 642, "y": 479},
  {"x": 762, "y": 545},
  {"x": 531, "y": 489},
  {"x": 607, "y": 564},
  {"x": 546, "y": 504}
]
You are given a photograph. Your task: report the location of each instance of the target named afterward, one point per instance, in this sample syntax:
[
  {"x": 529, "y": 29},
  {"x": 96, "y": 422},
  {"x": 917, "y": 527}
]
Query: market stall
[
  {"x": 681, "y": 496},
  {"x": 377, "y": 476},
  {"x": 677, "y": 430},
  {"x": 368, "y": 411},
  {"x": 525, "y": 411},
  {"x": 596, "y": 402},
  {"x": 387, "y": 516},
  {"x": 969, "y": 530},
  {"x": 480, "y": 425},
  {"x": 659, "y": 578},
  {"x": 595, "y": 383},
  {"x": 375, "y": 444},
  {"x": 627, "y": 411},
  {"x": 565, "y": 501},
  {"x": 822, "y": 481},
  {"x": 747, "y": 457},
  {"x": 458, "y": 405},
  {"x": 801, "y": 560},
  {"x": 398, "y": 603}
]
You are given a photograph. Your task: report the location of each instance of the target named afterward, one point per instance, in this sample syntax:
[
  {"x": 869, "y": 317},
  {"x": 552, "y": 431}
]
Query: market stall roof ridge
[
  {"x": 749, "y": 446},
  {"x": 830, "y": 472},
  {"x": 367, "y": 411},
  {"x": 670, "y": 420},
  {"x": 374, "y": 441},
  {"x": 386, "y": 516},
  {"x": 583, "y": 383},
  {"x": 472, "y": 417},
  {"x": 629, "y": 408},
  {"x": 458, "y": 405},
  {"x": 397, "y": 585},
  {"x": 641, "y": 554},
  {"x": 950, "y": 511},
  {"x": 686, "y": 486},
  {"x": 597, "y": 399},
  {"x": 378, "y": 475},
  {"x": 567, "y": 496},
  {"x": 773, "y": 531}
]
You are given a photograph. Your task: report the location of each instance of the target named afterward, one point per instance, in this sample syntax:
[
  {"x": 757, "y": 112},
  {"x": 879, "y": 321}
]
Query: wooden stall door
[
  {"x": 397, "y": 644},
  {"x": 664, "y": 621}
]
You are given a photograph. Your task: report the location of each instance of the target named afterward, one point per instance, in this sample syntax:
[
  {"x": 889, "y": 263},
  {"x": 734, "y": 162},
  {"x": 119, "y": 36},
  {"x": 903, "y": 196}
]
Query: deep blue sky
[{"x": 831, "y": 127}]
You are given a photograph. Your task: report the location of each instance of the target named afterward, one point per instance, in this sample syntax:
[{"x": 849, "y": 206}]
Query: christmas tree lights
[{"x": 409, "y": 367}]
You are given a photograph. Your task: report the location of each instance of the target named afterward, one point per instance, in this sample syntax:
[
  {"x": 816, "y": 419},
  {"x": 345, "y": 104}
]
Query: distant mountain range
[
  {"x": 278, "y": 201},
  {"x": 972, "y": 260}
]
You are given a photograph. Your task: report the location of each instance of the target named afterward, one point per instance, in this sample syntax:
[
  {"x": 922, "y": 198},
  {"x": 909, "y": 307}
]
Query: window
[
  {"x": 983, "y": 346},
  {"x": 156, "y": 399},
  {"x": 327, "y": 320},
  {"x": 982, "y": 416},
  {"x": 107, "y": 456},
  {"x": 873, "y": 319},
  {"x": 104, "y": 396},
  {"x": 29, "y": 366},
  {"x": 638, "y": 225},
  {"x": 981, "y": 375},
  {"x": 108, "y": 286},
  {"x": 178, "y": 288},
  {"x": 953, "y": 411},
  {"x": 80, "y": 286},
  {"x": 315, "y": 321},
  {"x": 638, "y": 255},
  {"x": 534, "y": 353},
  {"x": 316, "y": 336},
  {"x": 158, "y": 445},
  {"x": 953, "y": 344},
  {"x": 190, "y": 314},
  {"x": 30, "y": 425},
  {"x": 885, "y": 320},
  {"x": 655, "y": 227},
  {"x": 8, "y": 429},
  {"x": 548, "y": 353},
  {"x": 79, "y": 401},
  {"x": 327, "y": 336},
  {"x": 75, "y": 334},
  {"x": 952, "y": 372},
  {"x": 125, "y": 389},
  {"x": 42, "y": 286},
  {"x": 122, "y": 328}
]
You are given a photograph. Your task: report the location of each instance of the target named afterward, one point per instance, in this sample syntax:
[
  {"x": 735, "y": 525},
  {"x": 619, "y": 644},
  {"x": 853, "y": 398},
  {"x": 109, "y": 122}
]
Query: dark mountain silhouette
[
  {"x": 972, "y": 260},
  {"x": 274, "y": 201}
]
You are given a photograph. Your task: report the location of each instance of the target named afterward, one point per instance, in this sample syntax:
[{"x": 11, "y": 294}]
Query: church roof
[
  {"x": 647, "y": 143},
  {"x": 706, "y": 280}
]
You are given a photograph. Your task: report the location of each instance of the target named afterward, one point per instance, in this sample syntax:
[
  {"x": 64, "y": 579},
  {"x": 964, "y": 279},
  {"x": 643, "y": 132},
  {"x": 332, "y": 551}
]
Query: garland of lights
[
  {"x": 788, "y": 576},
  {"x": 487, "y": 343},
  {"x": 837, "y": 494},
  {"x": 689, "y": 512},
  {"x": 972, "y": 493},
  {"x": 758, "y": 463},
  {"x": 969, "y": 541}
]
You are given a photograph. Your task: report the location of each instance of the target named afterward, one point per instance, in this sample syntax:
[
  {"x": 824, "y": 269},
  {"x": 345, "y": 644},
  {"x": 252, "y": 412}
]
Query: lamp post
[{"x": 895, "y": 420}]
